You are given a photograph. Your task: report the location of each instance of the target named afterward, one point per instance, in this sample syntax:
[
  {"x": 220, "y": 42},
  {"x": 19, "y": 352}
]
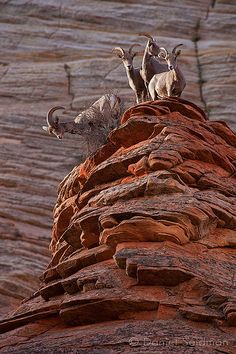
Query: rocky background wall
[{"x": 59, "y": 52}]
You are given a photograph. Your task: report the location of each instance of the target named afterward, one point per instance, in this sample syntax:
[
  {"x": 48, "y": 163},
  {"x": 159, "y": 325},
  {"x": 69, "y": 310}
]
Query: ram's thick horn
[
  {"x": 118, "y": 50},
  {"x": 179, "y": 45},
  {"x": 145, "y": 34},
  {"x": 132, "y": 46},
  {"x": 49, "y": 119},
  {"x": 163, "y": 50}
]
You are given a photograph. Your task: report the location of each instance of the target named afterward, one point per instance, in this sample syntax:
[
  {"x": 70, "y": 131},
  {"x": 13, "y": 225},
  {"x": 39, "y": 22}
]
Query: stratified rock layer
[{"x": 143, "y": 242}]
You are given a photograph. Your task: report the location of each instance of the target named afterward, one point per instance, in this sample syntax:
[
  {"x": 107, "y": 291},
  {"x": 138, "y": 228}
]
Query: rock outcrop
[
  {"x": 59, "y": 53},
  {"x": 143, "y": 243}
]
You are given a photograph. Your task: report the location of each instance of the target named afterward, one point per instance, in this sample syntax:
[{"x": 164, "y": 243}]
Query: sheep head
[
  {"x": 126, "y": 56},
  {"x": 53, "y": 125},
  {"x": 152, "y": 48},
  {"x": 170, "y": 58}
]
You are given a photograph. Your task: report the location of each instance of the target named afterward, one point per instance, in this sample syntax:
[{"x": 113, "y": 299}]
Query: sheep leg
[
  {"x": 137, "y": 97},
  {"x": 144, "y": 95},
  {"x": 147, "y": 90},
  {"x": 169, "y": 91},
  {"x": 153, "y": 93}
]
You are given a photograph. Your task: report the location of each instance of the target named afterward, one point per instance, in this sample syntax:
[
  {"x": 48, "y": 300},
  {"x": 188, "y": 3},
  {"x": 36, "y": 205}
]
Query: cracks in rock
[
  {"x": 201, "y": 81},
  {"x": 211, "y": 6},
  {"x": 200, "y": 75},
  {"x": 111, "y": 90},
  {"x": 68, "y": 75},
  {"x": 110, "y": 71},
  {"x": 213, "y": 2},
  {"x": 58, "y": 27},
  {"x": 5, "y": 72},
  {"x": 222, "y": 351}
]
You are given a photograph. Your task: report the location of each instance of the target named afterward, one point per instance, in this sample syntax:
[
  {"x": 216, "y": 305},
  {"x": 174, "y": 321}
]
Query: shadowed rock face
[{"x": 143, "y": 242}]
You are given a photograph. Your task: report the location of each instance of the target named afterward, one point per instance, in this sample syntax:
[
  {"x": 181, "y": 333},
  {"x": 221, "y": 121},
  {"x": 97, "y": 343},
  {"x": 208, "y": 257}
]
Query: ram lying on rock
[{"x": 94, "y": 124}]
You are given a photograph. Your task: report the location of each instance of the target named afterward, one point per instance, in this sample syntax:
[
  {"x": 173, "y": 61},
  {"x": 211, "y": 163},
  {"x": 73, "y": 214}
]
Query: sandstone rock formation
[
  {"x": 143, "y": 243},
  {"x": 59, "y": 53}
]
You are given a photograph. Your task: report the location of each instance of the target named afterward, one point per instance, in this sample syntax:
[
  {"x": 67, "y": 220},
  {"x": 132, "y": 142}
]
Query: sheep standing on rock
[
  {"x": 133, "y": 74},
  {"x": 150, "y": 63},
  {"x": 170, "y": 83},
  {"x": 94, "y": 124}
]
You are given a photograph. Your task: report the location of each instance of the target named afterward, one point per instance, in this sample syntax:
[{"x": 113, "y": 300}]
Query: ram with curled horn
[
  {"x": 170, "y": 83},
  {"x": 150, "y": 62},
  {"x": 93, "y": 125},
  {"x": 135, "y": 80}
]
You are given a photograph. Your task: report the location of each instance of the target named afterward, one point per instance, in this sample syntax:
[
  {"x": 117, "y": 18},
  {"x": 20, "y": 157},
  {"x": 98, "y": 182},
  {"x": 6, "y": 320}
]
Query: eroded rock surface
[
  {"x": 59, "y": 53},
  {"x": 143, "y": 243}
]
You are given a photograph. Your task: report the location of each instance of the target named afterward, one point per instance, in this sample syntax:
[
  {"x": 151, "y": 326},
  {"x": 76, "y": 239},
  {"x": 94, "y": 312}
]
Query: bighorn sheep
[
  {"x": 170, "y": 83},
  {"x": 94, "y": 124},
  {"x": 150, "y": 64},
  {"x": 133, "y": 74}
]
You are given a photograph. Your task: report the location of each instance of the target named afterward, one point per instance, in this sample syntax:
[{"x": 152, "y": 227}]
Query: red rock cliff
[
  {"x": 143, "y": 243},
  {"x": 59, "y": 53}
]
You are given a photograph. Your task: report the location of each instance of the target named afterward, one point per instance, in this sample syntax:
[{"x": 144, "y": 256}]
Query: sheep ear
[
  {"x": 45, "y": 128},
  {"x": 178, "y": 52}
]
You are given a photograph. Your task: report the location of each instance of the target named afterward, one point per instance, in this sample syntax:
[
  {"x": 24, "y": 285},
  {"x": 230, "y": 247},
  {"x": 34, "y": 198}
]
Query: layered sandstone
[{"x": 143, "y": 243}]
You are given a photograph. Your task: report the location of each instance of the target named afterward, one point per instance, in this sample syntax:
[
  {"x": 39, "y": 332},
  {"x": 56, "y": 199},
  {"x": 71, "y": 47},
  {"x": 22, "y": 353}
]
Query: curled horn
[
  {"x": 50, "y": 120},
  {"x": 133, "y": 45},
  {"x": 145, "y": 34},
  {"x": 163, "y": 50},
  {"x": 117, "y": 50},
  {"x": 173, "y": 51}
]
